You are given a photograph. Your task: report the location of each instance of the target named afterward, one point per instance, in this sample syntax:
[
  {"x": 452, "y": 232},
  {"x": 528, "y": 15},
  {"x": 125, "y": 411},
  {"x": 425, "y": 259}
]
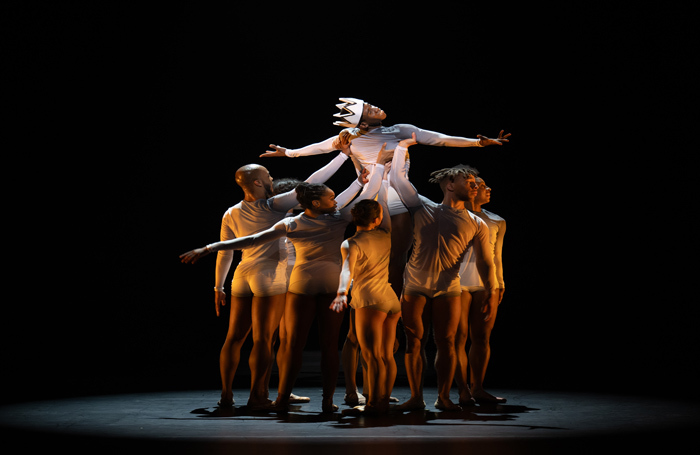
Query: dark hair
[
  {"x": 284, "y": 184},
  {"x": 365, "y": 211},
  {"x": 452, "y": 172},
  {"x": 309, "y": 192}
]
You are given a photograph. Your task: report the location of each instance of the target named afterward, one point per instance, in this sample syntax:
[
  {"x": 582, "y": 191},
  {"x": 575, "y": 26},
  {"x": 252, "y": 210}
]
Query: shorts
[{"x": 264, "y": 282}]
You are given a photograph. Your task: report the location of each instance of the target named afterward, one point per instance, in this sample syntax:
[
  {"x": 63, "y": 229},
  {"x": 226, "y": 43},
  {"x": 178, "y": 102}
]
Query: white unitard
[
  {"x": 441, "y": 236},
  {"x": 262, "y": 269},
  {"x": 316, "y": 241},
  {"x": 468, "y": 273},
  {"x": 366, "y": 148},
  {"x": 371, "y": 287}
]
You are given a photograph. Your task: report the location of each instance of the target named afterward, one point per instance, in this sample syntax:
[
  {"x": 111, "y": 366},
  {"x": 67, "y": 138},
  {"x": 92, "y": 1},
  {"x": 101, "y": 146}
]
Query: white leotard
[
  {"x": 316, "y": 241},
  {"x": 371, "y": 285},
  {"x": 441, "y": 236},
  {"x": 469, "y": 275},
  {"x": 261, "y": 270}
]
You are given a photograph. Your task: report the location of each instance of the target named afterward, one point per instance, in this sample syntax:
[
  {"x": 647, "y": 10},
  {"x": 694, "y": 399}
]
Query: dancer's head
[
  {"x": 458, "y": 180},
  {"x": 285, "y": 184},
  {"x": 367, "y": 213},
  {"x": 316, "y": 197},
  {"x": 252, "y": 176},
  {"x": 483, "y": 194}
]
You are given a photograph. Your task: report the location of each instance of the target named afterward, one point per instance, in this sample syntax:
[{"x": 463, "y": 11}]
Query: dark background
[{"x": 125, "y": 123}]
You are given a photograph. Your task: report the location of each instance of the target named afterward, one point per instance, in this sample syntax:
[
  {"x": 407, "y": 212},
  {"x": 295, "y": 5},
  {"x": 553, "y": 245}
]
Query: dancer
[
  {"x": 442, "y": 233},
  {"x": 259, "y": 283},
  {"x": 316, "y": 234},
  {"x": 472, "y": 325},
  {"x": 366, "y": 138},
  {"x": 377, "y": 309}
]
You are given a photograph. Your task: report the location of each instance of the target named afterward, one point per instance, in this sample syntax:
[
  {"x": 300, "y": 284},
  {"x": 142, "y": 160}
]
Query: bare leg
[
  {"x": 480, "y": 351},
  {"x": 293, "y": 399},
  {"x": 239, "y": 327},
  {"x": 329, "y": 323},
  {"x": 370, "y": 323},
  {"x": 401, "y": 238},
  {"x": 461, "y": 373},
  {"x": 266, "y": 314},
  {"x": 349, "y": 358},
  {"x": 298, "y": 316},
  {"x": 389, "y": 335},
  {"x": 412, "y": 316},
  {"x": 446, "y": 316}
]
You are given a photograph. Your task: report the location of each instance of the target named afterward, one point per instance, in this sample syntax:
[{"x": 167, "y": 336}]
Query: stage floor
[{"x": 191, "y": 422}]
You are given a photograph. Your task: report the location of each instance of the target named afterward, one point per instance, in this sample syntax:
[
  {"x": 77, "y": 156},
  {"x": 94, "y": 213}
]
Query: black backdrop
[{"x": 127, "y": 123}]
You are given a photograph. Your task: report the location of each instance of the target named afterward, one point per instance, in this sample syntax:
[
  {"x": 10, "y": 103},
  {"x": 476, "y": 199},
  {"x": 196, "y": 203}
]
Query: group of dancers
[{"x": 297, "y": 267}]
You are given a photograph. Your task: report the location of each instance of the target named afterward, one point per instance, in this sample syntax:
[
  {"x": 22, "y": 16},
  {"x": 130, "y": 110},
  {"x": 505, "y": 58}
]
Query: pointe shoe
[
  {"x": 296, "y": 399},
  {"x": 357, "y": 400},
  {"x": 354, "y": 411}
]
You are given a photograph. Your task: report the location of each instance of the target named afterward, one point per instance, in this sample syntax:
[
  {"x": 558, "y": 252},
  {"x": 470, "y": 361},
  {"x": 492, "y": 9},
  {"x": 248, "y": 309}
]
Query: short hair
[
  {"x": 309, "y": 192},
  {"x": 365, "y": 211},
  {"x": 284, "y": 184},
  {"x": 452, "y": 172}
]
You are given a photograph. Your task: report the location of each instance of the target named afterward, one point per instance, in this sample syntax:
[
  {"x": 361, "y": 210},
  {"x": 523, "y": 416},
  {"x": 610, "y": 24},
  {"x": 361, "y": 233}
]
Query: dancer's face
[
  {"x": 465, "y": 188},
  {"x": 266, "y": 181},
  {"x": 327, "y": 203},
  {"x": 372, "y": 114},
  {"x": 483, "y": 194}
]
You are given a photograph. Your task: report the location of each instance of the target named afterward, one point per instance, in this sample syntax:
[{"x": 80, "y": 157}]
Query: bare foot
[
  {"x": 280, "y": 405},
  {"x": 328, "y": 406},
  {"x": 226, "y": 401},
  {"x": 447, "y": 405},
  {"x": 263, "y": 405},
  {"x": 413, "y": 404},
  {"x": 483, "y": 397}
]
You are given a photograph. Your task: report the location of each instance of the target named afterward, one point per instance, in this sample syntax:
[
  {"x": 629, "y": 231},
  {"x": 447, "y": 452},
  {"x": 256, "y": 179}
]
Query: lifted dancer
[{"x": 366, "y": 139}]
